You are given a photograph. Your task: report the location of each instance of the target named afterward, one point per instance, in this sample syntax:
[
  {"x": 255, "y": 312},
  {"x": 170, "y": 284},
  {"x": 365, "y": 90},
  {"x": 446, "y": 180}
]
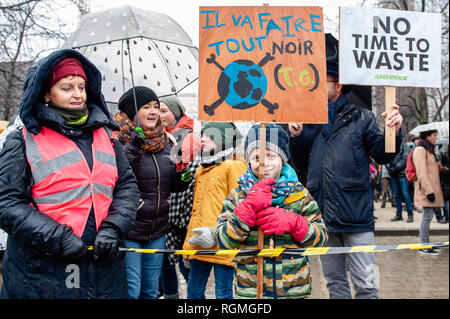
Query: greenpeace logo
[{"x": 391, "y": 77}]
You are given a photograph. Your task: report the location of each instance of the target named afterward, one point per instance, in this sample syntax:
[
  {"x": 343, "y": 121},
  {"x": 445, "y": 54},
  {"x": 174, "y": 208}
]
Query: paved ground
[
  {"x": 404, "y": 274},
  {"x": 383, "y": 222}
]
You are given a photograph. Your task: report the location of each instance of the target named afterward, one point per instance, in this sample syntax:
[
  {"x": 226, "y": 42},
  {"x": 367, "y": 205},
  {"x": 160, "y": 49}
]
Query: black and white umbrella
[
  {"x": 132, "y": 47},
  {"x": 441, "y": 127}
]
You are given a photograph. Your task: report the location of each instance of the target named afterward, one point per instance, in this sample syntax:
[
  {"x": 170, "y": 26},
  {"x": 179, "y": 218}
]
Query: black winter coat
[
  {"x": 397, "y": 167},
  {"x": 338, "y": 167},
  {"x": 155, "y": 173},
  {"x": 32, "y": 267}
]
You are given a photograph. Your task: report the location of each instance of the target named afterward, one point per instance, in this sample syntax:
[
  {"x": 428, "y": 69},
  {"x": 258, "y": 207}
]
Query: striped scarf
[{"x": 280, "y": 189}]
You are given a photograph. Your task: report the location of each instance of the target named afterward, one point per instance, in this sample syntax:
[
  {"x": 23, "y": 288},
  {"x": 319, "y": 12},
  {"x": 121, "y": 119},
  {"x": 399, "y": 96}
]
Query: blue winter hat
[
  {"x": 332, "y": 49},
  {"x": 277, "y": 140}
]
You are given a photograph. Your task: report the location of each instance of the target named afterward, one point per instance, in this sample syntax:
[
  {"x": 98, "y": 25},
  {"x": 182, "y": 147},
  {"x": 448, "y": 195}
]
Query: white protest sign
[{"x": 389, "y": 47}]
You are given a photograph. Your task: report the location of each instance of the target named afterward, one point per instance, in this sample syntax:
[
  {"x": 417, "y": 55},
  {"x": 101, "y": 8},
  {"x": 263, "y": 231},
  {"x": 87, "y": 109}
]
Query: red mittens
[
  {"x": 273, "y": 220},
  {"x": 259, "y": 197}
]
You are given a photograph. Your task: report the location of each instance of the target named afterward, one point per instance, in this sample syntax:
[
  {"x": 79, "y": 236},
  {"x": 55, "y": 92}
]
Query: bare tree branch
[{"x": 27, "y": 29}]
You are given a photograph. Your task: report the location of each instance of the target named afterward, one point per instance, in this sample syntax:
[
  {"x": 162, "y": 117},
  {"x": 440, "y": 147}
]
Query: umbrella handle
[{"x": 132, "y": 83}]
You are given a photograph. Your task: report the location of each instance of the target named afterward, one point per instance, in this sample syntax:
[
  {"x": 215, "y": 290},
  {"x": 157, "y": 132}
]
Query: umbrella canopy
[
  {"x": 162, "y": 55},
  {"x": 441, "y": 127}
]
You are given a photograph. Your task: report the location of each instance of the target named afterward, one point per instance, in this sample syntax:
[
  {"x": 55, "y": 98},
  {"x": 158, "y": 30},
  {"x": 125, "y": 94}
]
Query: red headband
[{"x": 64, "y": 68}]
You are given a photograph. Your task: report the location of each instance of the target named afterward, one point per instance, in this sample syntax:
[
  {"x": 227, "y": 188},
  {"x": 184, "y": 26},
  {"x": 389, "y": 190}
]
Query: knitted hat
[
  {"x": 65, "y": 67},
  {"x": 277, "y": 140},
  {"x": 144, "y": 95},
  {"x": 224, "y": 134},
  {"x": 332, "y": 54},
  {"x": 174, "y": 104}
]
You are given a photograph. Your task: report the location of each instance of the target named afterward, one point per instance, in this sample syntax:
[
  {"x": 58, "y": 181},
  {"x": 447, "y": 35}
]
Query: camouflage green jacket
[{"x": 293, "y": 279}]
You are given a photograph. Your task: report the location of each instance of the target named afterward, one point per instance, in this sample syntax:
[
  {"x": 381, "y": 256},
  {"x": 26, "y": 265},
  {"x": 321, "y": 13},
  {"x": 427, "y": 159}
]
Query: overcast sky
[{"x": 186, "y": 12}]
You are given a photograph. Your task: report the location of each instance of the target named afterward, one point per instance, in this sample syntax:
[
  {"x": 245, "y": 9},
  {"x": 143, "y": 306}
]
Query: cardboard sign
[
  {"x": 389, "y": 47},
  {"x": 262, "y": 64}
]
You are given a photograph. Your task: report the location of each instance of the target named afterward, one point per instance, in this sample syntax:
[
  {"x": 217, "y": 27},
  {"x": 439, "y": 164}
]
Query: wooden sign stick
[
  {"x": 262, "y": 164},
  {"x": 260, "y": 261},
  {"x": 389, "y": 131}
]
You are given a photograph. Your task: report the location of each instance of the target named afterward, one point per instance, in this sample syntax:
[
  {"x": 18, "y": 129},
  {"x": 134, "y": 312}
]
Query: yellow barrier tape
[
  {"x": 143, "y": 251},
  {"x": 362, "y": 249},
  {"x": 185, "y": 252},
  {"x": 275, "y": 252},
  {"x": 231, "y": 252},
  {"x": 316, "y": 251},
  {"x": 409, "y": 246}
]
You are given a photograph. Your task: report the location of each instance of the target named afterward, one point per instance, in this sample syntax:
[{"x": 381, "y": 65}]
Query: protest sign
[
  {"x": 262, "y": 64},
  {"x": 389, "y": 47}
]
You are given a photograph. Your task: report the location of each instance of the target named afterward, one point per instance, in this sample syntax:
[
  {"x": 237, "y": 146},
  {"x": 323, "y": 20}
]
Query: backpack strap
[
  {"x": 172, "y": 139},
  {"x": 179, "y": 138}
]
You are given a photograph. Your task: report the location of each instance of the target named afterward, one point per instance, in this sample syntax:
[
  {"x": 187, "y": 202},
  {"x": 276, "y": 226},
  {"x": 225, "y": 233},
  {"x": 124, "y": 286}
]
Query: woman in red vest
[{"x": 65, "y": 185}]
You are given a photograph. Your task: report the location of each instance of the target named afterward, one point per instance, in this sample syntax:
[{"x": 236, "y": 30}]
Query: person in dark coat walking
[
  {"x": 149, "y": 154},
  {"x": 65, "y": 185},
  {"x": 444, "y": 176},
  {"x": 400, "y": 184},
  {"x": 338, "y": 155}
]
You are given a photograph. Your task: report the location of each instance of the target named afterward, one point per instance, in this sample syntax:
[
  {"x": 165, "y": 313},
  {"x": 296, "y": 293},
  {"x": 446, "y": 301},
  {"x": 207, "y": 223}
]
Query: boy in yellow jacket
[{"x": 214, "y": 180}]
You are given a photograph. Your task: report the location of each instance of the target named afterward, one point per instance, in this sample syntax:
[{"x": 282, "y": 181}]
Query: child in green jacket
[{"x": 282, "y": 207}]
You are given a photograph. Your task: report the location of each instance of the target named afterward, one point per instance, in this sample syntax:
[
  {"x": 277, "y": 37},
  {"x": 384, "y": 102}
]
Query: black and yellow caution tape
[{"x": 275, "y": 252}]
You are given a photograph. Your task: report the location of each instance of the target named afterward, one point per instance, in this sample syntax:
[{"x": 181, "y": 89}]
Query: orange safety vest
[{"x": 64, "y": 187}]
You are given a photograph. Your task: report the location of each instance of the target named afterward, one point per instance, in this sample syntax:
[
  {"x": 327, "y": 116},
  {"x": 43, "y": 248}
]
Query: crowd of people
[
  {"x": 428, "y": 193},
  {"x": 79, "y": 186},
  {"x": 395, "y": 173}
]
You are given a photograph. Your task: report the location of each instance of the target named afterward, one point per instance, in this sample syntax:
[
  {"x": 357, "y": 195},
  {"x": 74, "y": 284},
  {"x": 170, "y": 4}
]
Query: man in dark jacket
[
  {"x": 338, "y": 155},
  {"x": 46, "y": 258},
  {"x": 400, "y": 184}
]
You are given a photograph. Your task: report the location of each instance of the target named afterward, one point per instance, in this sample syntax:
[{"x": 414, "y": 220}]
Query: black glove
[
  {"x": 137, "y": 136},
  {"x": 181, "y": 180},
  {"x": 106, "y": 243},
  {"x": 72, "y": 247},
  {"x": 431, "y": 197}
]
